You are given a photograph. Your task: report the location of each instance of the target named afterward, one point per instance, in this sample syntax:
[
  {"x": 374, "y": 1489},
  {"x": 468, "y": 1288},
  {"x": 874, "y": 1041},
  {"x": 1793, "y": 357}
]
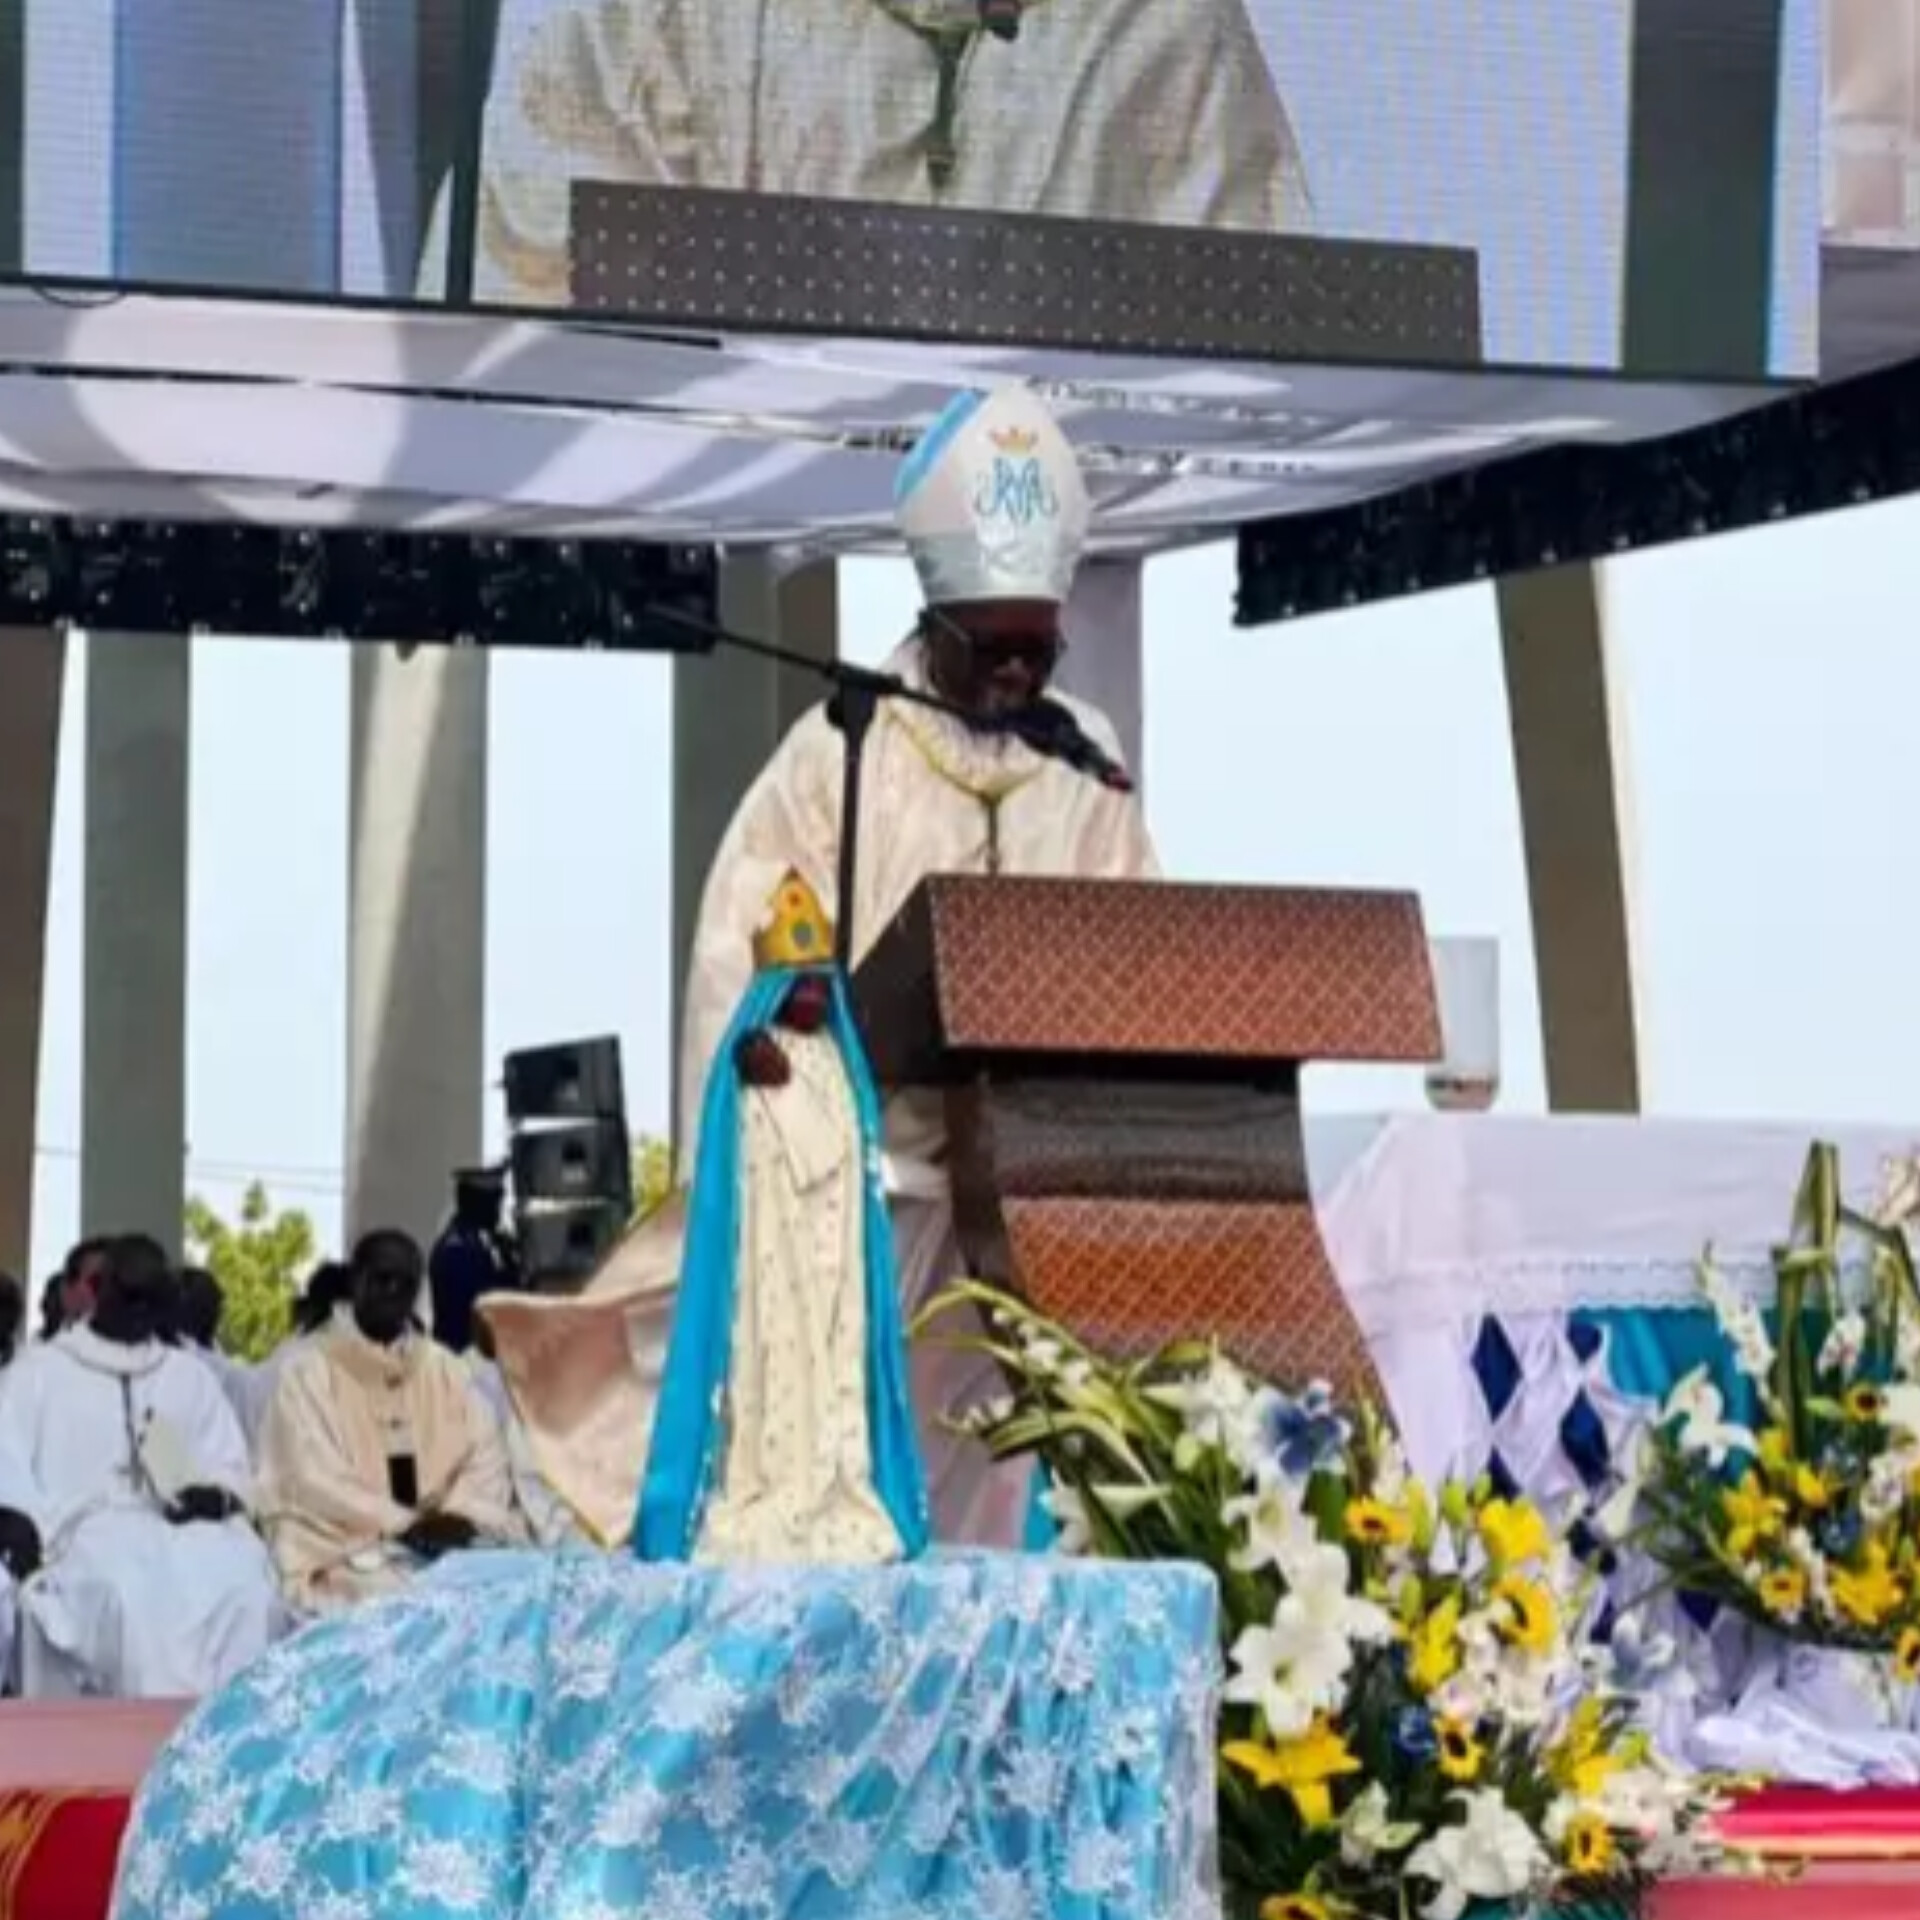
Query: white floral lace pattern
[{"x": 974, "y": 1737}]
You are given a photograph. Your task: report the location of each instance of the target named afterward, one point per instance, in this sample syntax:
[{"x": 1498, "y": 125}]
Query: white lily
[
  {"x": 1298, "y": 1666},
  {"x": 1068, "y": 1513},
  {"x": 1885, "y": 1491},
  {"x": 1644, "y": 1800},
  {"x": 1899, "y": 1197},
  {"x": 1740, "y": 1320},
  {"x": 1276, "y": 1521},
  {"x": 1846, "y": 1340},
  {"x": 1491, "y": 1855},
  {"x": 1696, "y": 1402},
  {"x": 1366, "y": 1832},
  {"x": 1214, "y": 1405},
  {"x": 1069, "y": 1510},
  {"x": 1900, "y": 1408}
]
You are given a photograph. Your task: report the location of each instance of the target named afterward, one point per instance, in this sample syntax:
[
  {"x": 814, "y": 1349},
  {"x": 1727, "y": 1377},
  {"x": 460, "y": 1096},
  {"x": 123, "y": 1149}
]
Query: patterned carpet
[{"x": 67, "y": 1778}]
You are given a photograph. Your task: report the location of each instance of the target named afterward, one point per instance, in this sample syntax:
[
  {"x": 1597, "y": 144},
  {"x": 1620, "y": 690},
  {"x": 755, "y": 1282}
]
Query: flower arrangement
[
  {"x": 1411, "y": 1721},
  {"x": 1804, "y": 1514}
]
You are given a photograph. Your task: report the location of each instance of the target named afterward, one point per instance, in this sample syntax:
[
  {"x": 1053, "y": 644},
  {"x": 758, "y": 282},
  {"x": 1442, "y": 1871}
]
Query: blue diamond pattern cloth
[
  {"x": 1555, "y": 1423},
  {"x": 523, "y": 1737}
]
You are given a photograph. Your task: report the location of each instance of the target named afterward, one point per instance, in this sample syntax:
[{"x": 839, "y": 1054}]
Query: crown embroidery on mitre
[
  {"x": 1016, "y": 441},
  {"x": 796, "y": 931}
]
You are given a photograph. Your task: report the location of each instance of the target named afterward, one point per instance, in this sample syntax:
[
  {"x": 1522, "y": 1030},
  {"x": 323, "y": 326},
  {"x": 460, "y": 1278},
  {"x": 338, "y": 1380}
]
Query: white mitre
[{"x": 992, "y": 503}]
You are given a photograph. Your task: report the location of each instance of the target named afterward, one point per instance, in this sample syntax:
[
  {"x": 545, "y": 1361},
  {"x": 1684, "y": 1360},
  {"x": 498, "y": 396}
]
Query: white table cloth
[
  {"x": 1444, "y": 1223},
  {"x": 1530, "y": 1289}
]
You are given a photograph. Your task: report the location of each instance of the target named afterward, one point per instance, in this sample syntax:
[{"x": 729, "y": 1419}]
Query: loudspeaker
[
  {"x": 561, "y": 1246},
  {"x": 574, "y": 1164},
  {"x": 572, "y": 1159},
  {"x": 576, "y": 1080}
]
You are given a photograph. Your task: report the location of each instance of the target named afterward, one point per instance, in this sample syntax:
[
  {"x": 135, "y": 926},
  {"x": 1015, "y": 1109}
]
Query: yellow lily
[
  {"x": 1301, "y": 1768},
  {"x": 1811, "y": 1490},
  {"x": 1906, "y": 1656},
  {"x": 1580, "y": 1763},
  {"x": 1433, "y": 1657},
  {"x": 1514, "y": 1533},
  {"x": 1866, "y": 1594},
  {"x": 1752, "y": 1513}
]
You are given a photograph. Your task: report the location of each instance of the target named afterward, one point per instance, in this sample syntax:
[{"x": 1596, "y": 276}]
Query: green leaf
[{"x": 260, "y": 1262}]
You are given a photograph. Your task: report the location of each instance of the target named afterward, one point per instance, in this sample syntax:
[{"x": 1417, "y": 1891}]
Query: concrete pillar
[
  {"x": 33, "y": 665},
  {"x": 416, "y": 934},
  {"x": 1570, "y": 766},
  {"x": 1105, "y": 650},
  {"x": 730, "y": 710},
  {"x": 133, "y": 1088}
]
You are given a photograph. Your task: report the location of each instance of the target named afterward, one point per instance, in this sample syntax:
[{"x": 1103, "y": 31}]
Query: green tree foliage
[
  {"x": 261, "y": 1260},
  {"x": 652, "y": 1175}
]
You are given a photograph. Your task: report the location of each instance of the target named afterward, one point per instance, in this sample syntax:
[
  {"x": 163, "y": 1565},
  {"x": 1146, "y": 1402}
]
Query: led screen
[{"x": 1599, "y": 160}]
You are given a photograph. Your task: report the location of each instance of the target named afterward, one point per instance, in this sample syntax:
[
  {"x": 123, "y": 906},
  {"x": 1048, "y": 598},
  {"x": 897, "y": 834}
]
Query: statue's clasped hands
[{"x": 759, "y": 1057}]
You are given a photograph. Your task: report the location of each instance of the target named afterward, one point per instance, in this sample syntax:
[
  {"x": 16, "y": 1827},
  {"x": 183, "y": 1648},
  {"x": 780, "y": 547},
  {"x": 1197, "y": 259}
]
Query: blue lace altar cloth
[{"x": 525, "y": 1737}]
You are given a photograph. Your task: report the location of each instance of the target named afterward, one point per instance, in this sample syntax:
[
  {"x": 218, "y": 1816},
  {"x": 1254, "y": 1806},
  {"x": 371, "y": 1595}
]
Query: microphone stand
[{"x": 851, "y": 707}]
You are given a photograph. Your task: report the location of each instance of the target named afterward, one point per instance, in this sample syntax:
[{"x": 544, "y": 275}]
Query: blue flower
[
  {"x": 1414, "y": 1734},
  {"x": 1640, "y": 1656},
  {"x": 1838, "y": 1534},
  {"x": 1303, "y": 1435}
]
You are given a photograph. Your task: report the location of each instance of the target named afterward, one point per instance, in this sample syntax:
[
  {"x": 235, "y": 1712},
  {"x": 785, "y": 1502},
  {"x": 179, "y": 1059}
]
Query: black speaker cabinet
[
  {"x": 573, "y": 1164},
  {"x": 561, "y": 1247},
  {"x": 575, "y": 1080}
]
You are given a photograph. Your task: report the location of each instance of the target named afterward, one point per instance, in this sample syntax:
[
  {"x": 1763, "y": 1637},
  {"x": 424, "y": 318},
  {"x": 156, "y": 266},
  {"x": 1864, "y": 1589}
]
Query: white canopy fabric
[{"x": 333, "y": 416}]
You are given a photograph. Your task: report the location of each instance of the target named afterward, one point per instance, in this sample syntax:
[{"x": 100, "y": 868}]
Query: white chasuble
[
  {"x": 936, "y": 799},
  {"x": 796, "y": 1481},
  {"x": 128, "y": 1604},
  {"x": 344, "y": 1407},
  {"x": 1160, "y": 111}
]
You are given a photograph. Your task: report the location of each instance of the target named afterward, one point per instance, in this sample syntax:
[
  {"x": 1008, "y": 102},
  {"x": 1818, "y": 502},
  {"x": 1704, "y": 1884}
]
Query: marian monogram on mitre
[
  {"x": 992, "y": 502},
  {"x": 1015, "y": 487}
]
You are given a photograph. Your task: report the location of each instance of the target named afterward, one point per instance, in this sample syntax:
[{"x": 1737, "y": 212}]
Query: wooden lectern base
[{"x": 1128, "y": 1275}]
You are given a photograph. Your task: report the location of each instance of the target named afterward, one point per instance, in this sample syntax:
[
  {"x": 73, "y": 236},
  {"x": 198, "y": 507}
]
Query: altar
[{"x": 1528, "y": 1284}]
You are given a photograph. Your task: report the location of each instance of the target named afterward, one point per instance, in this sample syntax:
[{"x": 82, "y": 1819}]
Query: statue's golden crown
[{"x": 796, "y": 932}]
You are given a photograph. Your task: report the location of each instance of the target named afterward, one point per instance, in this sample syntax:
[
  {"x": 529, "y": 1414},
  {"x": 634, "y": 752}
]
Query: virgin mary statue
[{"x": 784, "y": 1432}]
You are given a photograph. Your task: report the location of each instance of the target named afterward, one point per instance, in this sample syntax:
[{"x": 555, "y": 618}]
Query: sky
[{"x": 1769, "y": 685}]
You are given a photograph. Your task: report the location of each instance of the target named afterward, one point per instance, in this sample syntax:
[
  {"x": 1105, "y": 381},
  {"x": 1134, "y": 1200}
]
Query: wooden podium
[{"x": 1121, "y": 1062}]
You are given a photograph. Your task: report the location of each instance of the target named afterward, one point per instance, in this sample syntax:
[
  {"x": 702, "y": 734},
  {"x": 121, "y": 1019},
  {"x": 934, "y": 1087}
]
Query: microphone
[
  {"x": 1050, "y": 729},
  {"x": 1001, "y": 18}
]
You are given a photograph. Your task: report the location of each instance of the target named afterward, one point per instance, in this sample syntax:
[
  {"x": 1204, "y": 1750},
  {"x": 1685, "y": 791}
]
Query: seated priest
[
  {"x": 123, "y": 1491},
  {"x": 377, "y": 1457},
  {"x": 995, "y": 514},
  {"x": 328, "y": 1292},
  {"x": 784, "y": 1433}
]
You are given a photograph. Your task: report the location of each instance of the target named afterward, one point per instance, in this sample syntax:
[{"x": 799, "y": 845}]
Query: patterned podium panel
[
  {"x": 1129, "y": 1276},
  {"x": 1122, "y": 1070},
  {"x": 1146, "y": 970}
]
